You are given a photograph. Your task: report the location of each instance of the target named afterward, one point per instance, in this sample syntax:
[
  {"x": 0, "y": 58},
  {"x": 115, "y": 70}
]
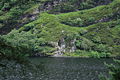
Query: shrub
[
  {"x": 91, "y": 20},
  {"x": 11, "y": 52},
  {"x": 86, "y": 5},
  {"x": 6, "y": 6},
  {"x": 101, "y": 48},
  {"x": 84, "y": 44},
  {"x": 96, "y": 54},
  {"x": 83, "y": 31},
  {"x": 96, "y": 39},
  {"x": 114, "y": 71},
  {"x": 28, "y": 40}
]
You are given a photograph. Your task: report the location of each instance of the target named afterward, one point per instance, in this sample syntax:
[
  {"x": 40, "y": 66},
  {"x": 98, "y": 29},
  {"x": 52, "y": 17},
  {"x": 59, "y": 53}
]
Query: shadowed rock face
[
  {"x": 49, "y": 5},
  {"x": 26, "y": 18}
]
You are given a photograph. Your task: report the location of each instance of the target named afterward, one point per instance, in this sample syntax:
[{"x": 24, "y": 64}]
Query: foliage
[
  {"x": 96, "y": 54},
  {"x": 79, "y": 53},
  {"x": 48, "y": 27},
  {"x": 95, "y": 30},
  {"x": 91, "y": 16},
  {"x": 84, "y": 44},
  {"x": 29, "y": 41},
  {"x": 101, "y": 48},
  {"x": 11, "y": 12},
  {"x": 114, "y": 71},
  {"x": 11, "y": 52},
  {"x": 75, "y": 5}
]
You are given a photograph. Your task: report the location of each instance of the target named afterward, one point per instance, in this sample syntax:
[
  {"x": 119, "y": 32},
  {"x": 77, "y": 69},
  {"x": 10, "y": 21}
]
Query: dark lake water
[{"x": 71, "y": 68}]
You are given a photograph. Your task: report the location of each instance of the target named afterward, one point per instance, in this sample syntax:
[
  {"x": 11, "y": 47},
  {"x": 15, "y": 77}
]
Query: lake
[{"x": 71, "y": 68}]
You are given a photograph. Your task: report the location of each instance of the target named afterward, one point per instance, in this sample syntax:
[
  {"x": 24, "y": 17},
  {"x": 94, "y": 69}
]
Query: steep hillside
[
  {"x": 63, "y": 27},
  {"x": 16, "y": 13}
]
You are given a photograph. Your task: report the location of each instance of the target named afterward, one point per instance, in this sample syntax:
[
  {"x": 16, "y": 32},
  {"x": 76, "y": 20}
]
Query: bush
[
  {"x": 101, "y": 48},
  {"x": 114, "y": 71},
  {"x": 84, "y": 44},
  {"x": 91, "y": 20},
  {"x": 96, "y": 39},
  {"x": 6, "y": 6},
  {"x": 86, "y": 5},
  {"x": 11, "y": 52},
  {"x": 96, "y": 54},
  {"x": 28, "y": 40}
]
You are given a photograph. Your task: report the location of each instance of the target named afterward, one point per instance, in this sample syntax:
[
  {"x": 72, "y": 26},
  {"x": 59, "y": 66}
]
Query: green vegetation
[
  {"x": 95, "y": 29},
  {"x": 11, "y": 52},
  {"x": 114, "y": 71},
  {"x": 75, "y": 5},
  {"x": 95, "y": 15},
  {"x": 68, "y": 28}
]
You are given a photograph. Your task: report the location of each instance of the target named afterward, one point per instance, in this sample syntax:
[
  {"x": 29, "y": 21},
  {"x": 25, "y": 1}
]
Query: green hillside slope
[{"x": 88, "y": 31}]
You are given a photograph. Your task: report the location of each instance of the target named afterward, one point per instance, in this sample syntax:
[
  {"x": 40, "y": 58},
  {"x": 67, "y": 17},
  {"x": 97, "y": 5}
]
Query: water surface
[{"x": 71, "y": 68}]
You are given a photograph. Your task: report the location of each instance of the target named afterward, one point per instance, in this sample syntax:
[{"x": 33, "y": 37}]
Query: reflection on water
[{"x": 71, "y": 68}]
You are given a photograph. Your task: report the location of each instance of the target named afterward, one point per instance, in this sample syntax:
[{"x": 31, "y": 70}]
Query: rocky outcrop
[
  {"x": 50, "y": 4},
  {"x": 22, "y": 20},
  {"x": 63, "y": 46}
]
